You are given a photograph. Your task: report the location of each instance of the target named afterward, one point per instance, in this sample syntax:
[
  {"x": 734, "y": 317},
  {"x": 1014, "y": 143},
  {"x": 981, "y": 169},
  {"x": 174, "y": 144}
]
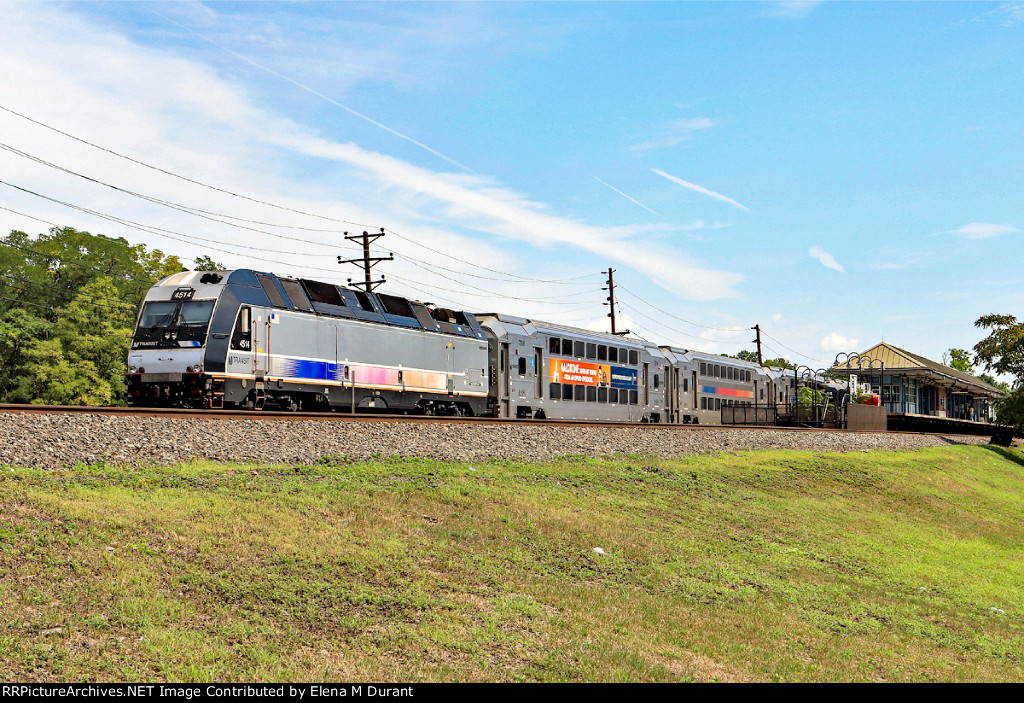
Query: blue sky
[{"x": 838, "y": 173}]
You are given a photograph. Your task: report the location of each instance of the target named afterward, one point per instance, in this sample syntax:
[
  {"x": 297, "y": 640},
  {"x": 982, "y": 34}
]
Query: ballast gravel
[{"x": 61, "y": 440}]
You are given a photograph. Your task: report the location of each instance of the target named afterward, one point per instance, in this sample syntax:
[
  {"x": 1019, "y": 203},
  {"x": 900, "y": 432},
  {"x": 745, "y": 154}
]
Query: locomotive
[{"x": 250, "y": 340}]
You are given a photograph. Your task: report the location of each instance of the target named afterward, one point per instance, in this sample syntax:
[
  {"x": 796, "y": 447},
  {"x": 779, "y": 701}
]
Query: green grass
[{"x": 790, "y": 566}]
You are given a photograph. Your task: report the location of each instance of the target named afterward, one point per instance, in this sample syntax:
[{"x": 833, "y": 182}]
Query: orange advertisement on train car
[{"x": 578, "y": 372}]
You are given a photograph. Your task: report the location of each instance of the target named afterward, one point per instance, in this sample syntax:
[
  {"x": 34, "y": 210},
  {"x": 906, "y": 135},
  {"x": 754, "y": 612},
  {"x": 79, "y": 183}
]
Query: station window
[
  {"x": 581, "y": 393},
  {"x": 602, "y": 352},
  {"x": 634, "y": 397},
  {"x": 602, "y": 395},
  {"x": 591, "y": 394},
  {"x": 591, "y": 351},
  {"x": 613, "y": 354},
  {"x": 580, "y": 349},
  {"x": 555, "y": 345},
  {"x": 566, "y": 391},
  {"x": 613, "y": 395},
  {"x": 566, "y": 347},
  {"x": 556, "y": 391}
]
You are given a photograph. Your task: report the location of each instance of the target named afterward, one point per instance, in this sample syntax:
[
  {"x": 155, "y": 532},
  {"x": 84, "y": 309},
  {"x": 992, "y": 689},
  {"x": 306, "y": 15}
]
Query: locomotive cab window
[
  {"x": 158, "y": 314},
  {"x": 241, "y": 338},
  {"x": 195, "y": 312}
]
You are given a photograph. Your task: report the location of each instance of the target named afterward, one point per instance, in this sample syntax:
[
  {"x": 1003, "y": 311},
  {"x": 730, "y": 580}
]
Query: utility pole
[
  {"x": 611, "y": 301},
  {"x": 757, "y": 328},
  {"x": 367, "y": 262}
]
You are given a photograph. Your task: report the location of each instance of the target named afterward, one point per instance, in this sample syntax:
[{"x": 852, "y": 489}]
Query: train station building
[{"x": 910, "y": 384}]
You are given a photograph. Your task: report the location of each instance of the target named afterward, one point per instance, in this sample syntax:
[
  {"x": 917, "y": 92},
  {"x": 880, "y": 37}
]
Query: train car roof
[{"x": 533, "y": 326}]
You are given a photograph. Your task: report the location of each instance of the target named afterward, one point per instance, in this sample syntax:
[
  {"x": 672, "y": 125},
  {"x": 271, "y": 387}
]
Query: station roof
[{"x": 899, "y": 361}]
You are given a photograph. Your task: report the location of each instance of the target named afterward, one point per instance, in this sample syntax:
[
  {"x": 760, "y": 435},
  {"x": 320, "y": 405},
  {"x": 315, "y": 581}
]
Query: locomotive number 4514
[{"x": 183, "y": 294}]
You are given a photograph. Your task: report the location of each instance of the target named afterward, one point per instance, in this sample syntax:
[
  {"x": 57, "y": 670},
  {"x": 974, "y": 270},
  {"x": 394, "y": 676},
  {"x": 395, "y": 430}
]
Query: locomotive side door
[
  {"x": 450, "y": 355},
  {"x": 503, "y": 379},
  {"x": 261, "y": 341}
]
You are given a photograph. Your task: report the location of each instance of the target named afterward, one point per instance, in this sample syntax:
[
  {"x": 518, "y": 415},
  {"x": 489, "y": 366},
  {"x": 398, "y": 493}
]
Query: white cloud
[
  {"x": 838, "y": 343},
  {"x": 981, "y": 230},
  {"x": 699, "y": 189},
  {"x": 673, "y": 133},
  {"x": 826, "y": 259},
  {"x": 182, "y": 115},
  {"x": 777, "y": 317},
  {"x": 796, "y": 8}
]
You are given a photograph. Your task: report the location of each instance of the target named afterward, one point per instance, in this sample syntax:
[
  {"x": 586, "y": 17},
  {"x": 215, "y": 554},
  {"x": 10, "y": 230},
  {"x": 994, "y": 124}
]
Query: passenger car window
[{"x": 555, "y": 345}]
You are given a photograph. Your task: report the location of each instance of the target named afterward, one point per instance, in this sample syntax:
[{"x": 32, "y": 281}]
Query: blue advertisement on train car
[{"x": 624, "y": 378}]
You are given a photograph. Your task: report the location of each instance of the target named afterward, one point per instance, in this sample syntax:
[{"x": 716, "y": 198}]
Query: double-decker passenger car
[{"x": 544, "y": 370}]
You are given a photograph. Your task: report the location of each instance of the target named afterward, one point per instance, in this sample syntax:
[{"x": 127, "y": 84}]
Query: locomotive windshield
[
  {"x": 173, "y": 314},
  {"x": 172, "y": 323},
  {"x": 158, "y": 314}
]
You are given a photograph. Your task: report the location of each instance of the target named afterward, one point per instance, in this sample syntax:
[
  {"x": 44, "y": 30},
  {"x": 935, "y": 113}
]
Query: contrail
[
  {"x": 699, "y": 189},
  {"x": 319, "y": 95},
  {"x": 633, "y": 200}
]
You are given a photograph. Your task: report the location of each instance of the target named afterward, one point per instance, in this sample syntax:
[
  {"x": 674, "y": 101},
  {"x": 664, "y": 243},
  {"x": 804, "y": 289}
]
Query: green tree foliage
[
  {"x": 1002, "y": 351},
  {"x": 744, "y": 356},
  {"x": 779, "y": 363},
  {"x": 959, "y": 359},
  {"x": 206, "y": 263},
  {"x": 68, "y": 301}
]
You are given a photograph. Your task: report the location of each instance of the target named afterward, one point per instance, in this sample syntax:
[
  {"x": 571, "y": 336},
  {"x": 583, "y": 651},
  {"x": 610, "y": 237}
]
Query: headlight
[{"x": 132, "y": 369}]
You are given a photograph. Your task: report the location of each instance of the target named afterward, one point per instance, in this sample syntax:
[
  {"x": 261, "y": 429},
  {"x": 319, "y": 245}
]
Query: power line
[
  {"x": 665, "y": 312},
  {"x": 569, "y": 281},
  {"x": 175, "y": 175}
]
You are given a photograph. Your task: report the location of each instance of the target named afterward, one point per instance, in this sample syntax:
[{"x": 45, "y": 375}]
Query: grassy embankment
[{"x": 752, "y": 566}]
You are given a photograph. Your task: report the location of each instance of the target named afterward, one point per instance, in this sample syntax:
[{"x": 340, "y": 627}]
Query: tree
[
  {"x": 1003, "y": 351},
  {"x": 68, "y": 301},
  {"x": 959, "y": 359},
  {"x": 747, "y": 356},
  {"x": 206, "y": 263},
  {"x": 779, "y": 363}
]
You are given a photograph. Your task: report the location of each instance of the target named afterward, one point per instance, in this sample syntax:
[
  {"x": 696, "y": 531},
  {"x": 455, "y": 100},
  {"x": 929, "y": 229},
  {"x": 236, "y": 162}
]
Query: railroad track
[{"x": 270, "y": 415}]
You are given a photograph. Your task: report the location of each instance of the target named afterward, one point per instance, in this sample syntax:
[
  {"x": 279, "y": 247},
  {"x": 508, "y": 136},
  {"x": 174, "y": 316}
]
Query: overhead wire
[
  {"x": 567, "y": 281},
  {"x": 619, "y": 286}
]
